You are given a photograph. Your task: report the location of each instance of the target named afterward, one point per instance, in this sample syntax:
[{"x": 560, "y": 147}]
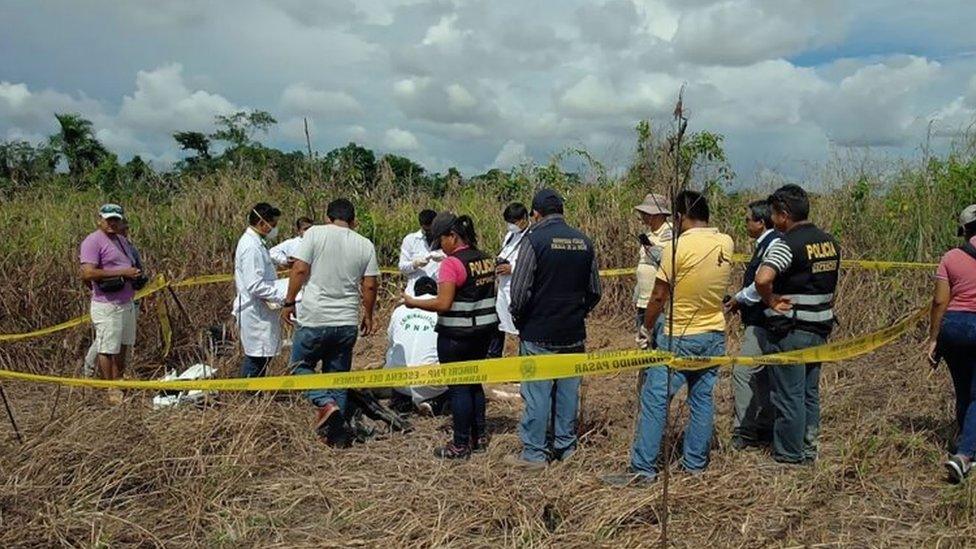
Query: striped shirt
[{"x": 778, "y": 256}]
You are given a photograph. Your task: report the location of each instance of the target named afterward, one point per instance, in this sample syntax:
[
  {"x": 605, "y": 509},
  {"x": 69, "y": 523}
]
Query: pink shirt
[
  {"x": 959, "y": 270},
  {"x": 452, "y": 270},
  {"x": 106, "y": 252}
]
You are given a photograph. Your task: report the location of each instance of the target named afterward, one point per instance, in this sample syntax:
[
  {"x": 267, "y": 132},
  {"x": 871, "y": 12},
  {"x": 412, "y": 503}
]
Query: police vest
[
  {"x": 752, "y": 315},
  {"x": 473, "y": 311},
  {"x": 557, "y": 309},
  {"x": 809, "y": 282}
]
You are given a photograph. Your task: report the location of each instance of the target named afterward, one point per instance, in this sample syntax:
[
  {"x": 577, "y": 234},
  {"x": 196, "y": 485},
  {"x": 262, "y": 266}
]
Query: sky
[{"x": 497, "y": 83}]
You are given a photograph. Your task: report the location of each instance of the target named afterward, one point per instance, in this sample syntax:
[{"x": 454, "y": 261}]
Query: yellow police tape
[
  {"x": 160, "y": 284},
  {"x": 502, "y": 370}
]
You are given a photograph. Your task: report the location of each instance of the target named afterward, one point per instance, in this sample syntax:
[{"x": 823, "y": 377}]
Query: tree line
[{"x": 74, "y": 156}]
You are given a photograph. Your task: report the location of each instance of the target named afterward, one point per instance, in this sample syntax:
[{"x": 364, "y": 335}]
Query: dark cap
[
  {"x": 547, "y": 201},
  {"x": 440, "y": 226}
]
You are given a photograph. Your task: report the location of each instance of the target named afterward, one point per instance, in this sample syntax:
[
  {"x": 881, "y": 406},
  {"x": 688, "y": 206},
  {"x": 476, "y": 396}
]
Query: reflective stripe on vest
[
  {"x": 467, "y": 322},
  {"x": 466, "y": 307},
  {"x": 804, "y": 316},
  {"x": 810, "y": 299}
]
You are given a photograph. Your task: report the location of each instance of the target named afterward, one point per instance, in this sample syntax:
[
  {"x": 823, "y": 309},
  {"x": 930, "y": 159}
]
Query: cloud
[
  {"x": 611, "y": 25},
  {"x": 396, "y": 139},
  {"x": 303, "y": 99},
  {"x": 741, "y": 32},
  {"x": 512, "y": 153},
  {"x": 876, "y": 105},
  {"x": 162, "y": 103},
  {"x": 313, "y": 13}
]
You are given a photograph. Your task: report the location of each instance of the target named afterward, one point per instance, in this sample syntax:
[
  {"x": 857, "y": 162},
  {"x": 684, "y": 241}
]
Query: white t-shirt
[
  {"x": 339, "y": 259},
  {"x": 503, "y": 299},
  {"x": 412, "y": 341},
  {"x": 281, "y": 253}
]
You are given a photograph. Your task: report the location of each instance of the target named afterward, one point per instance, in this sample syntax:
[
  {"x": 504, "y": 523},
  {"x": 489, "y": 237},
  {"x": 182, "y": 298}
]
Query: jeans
[
  {"x": 255, "y": 366},
  {"x": 957, "y": 343},
  {"x": 752, "y": 413},
  {"x": 655, "y": 396},
  {"x": 555, "y": 399},
  {"x": 796, "y": 399},
  {"x": 467, "y": 401},
  {"x": 332, "y": 345}
]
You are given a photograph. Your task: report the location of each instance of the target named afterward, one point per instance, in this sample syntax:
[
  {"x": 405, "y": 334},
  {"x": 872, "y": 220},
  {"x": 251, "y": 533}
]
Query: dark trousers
[
  {"x": 957, "y": 343},
  {"x": 795, "y": 397},
  {"x": 255, "y": 366},
  {"x": 467, "y": 401},
  {"x": 497, "y": 346}
]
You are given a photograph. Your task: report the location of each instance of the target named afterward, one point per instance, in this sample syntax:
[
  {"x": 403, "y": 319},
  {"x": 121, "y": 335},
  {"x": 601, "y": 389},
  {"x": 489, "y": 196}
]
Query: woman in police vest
[{"x": 466, "y": 323}]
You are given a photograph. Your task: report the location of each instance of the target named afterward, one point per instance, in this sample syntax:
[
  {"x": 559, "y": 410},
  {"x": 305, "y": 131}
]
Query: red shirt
[
  {"x": 452, "y": 270},
  {"x": 959, "y": 270}
]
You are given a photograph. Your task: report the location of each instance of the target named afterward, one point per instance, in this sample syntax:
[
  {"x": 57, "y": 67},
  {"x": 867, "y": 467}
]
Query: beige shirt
[{"x": 648, "y": 264}]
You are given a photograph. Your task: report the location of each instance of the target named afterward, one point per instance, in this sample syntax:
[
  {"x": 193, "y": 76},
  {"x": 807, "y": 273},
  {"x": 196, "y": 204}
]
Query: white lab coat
[
  {"x": 415, "y": 246},
  {"x": 255, "y": 279},
  {"x": 282, "y": 252},
  {"x": 503, "y": 297},
  {"x": 412, "y": 341}
]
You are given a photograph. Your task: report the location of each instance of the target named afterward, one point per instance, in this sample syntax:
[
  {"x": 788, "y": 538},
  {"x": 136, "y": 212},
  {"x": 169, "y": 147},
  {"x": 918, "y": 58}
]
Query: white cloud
[
  {"x": 877, "y": 104},
  {"x": 445, "y": 33},
  {"x": 512, "y": 153},
  {"x": 163, "y": 103},
  {"x": 396, "y": 139},
  {"x": 303, "y": 99},
  {"x": 741, "y": 32},
  {"x": 611, "y": 24}
]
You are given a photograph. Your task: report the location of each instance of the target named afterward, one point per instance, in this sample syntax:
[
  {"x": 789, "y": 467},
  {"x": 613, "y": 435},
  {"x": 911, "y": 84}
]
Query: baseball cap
[
  {"x": 547, "y": 201},
  {"x": 440, "y": 226},
  {"x": 654, "y": 204},
  {"x": 967, "y": 217},
  {"x": 109, "y": 211}
]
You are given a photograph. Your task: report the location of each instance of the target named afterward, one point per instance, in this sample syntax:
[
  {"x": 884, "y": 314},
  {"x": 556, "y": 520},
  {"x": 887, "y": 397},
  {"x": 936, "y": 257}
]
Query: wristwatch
[{"x": 289, "y": 304}]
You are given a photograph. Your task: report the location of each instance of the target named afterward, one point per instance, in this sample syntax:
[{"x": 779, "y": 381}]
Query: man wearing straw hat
[{"x": 654, "y": 212}]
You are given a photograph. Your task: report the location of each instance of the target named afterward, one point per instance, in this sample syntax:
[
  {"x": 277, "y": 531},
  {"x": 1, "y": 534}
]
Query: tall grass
[{"x": 900, "y": 213}]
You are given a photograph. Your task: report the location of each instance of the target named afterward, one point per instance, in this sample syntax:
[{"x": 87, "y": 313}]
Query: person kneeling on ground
[
  {"x": 334, "y": 265},
  {"x": 412, "y": 341},
  {"x": 952, "y": 335},
  {"x": 699, "y": 275},
  {"x": 466, "y": 322}
]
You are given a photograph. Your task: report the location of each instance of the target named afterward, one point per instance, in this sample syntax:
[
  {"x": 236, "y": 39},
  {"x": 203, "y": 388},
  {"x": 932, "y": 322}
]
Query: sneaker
[
  {"x": 563, "y": 455},
  {"x": 452, "y": 452},
  {"x": 517, "y": 461},
  {"x": 958, "y": 467},
  {"x": 630, "y": 478},
  {"x": 740, "y": 444},
  {"x": 331, "y": 428},
  {"x": 480, "y": 444}
]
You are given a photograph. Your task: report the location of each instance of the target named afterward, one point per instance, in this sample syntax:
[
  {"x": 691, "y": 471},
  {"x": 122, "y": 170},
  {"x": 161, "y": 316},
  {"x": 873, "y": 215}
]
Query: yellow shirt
[
  {"x": 648, "y": 263},
  {"x": 704, "y": 265}
]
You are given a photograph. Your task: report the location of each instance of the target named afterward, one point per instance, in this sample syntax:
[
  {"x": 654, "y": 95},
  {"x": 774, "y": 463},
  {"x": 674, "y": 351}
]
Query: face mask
[
  {"x": 513, "y": 228},
  {"x": 272, "y": 234}
]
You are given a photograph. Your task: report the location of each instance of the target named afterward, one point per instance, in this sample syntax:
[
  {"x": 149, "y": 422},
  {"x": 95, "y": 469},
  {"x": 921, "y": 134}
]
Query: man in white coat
[
  {"x": 517, "y": 220},
  {"x": 412, "y": 341},
  {"x": 258, "y": 295},
  {"x": 283, "y": 254},
  {"x": 416, "y": 258}
]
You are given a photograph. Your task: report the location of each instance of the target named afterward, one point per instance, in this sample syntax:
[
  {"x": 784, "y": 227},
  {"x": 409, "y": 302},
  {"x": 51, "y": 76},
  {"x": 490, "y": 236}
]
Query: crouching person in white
[
  {"x": 108, "y": 268},
  {"x": 412, "y": 341}
]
